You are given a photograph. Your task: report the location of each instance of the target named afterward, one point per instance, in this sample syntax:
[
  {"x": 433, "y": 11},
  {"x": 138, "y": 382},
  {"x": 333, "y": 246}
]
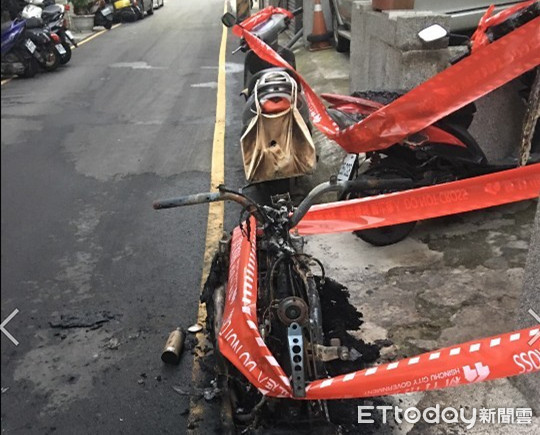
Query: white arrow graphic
[{"x": 5, "y": 331}]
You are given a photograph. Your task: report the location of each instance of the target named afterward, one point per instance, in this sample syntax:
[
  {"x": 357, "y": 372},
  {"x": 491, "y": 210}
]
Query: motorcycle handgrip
[{"x": 199, "y": 198}]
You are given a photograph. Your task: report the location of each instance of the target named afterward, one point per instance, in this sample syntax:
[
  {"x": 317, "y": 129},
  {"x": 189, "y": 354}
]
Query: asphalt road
[{"x": 98, "y": 277}]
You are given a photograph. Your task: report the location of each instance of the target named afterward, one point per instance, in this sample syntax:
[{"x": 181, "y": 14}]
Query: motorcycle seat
[
  {"x": 33, "y": 23},
  {"x": 52, "y": 11}
]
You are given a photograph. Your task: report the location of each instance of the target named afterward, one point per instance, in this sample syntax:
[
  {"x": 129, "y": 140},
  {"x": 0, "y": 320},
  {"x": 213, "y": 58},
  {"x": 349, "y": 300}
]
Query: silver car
[{"x": 465, "y": 15}]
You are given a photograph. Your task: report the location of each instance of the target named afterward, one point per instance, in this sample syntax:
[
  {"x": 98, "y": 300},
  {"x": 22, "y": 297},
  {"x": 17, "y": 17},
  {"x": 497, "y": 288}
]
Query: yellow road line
[
  {"x": 84, "y": 41},
  {"x": 216, "y": 211},
  {"x": 95, "y": 35}
]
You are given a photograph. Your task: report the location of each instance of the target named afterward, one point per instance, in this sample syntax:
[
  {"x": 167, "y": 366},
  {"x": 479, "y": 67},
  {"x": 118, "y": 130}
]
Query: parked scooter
[
  {"x": 48, "y": 44},
  {"x": 443, "y": 152},
  {"x": 254, "y": 68},
  {"x": 268, "y": 30},
  {"x": 274, "y": 100},
  {"x": 19, "y": 53},
  {"x": 410, "y": 131},
  {"x": 104, "y": 15},
  {"x": 132, "y": 10},
  {"x": 53, "y": 20}
]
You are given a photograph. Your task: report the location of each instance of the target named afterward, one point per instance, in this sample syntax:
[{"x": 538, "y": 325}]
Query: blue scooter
[{"x": 19, "y": 54}]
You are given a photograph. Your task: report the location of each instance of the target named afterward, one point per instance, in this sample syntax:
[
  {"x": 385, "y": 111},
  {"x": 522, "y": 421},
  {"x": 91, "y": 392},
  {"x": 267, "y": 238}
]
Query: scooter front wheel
[
  {"x": 386, "y": 235},
  {"x": 391, "y": 234}
]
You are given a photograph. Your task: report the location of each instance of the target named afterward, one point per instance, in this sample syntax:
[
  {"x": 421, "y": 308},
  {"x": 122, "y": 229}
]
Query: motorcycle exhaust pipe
[{"x": 173, "y": 347}]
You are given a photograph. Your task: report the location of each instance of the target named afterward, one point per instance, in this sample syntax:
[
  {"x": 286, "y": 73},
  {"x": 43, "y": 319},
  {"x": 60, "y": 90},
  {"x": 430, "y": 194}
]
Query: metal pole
[
  {"x": 295, "y": 38},
  {"x": 531, "y": 117}
]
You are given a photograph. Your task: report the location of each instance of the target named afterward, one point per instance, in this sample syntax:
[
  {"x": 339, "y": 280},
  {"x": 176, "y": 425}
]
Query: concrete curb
[{"x": 81, "y": 36}]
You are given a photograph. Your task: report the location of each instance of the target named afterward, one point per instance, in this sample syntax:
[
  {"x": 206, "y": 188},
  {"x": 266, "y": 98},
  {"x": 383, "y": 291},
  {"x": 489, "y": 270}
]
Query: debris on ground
[
  {"x": 81, "y": 320},
  {"x": 113, "y": 343},
  {"x": 195, "y": 328},
  {"x": 173, "y": 347},
  {"x": 211, "y": 392},
  {"x": 194, "y": 392}
]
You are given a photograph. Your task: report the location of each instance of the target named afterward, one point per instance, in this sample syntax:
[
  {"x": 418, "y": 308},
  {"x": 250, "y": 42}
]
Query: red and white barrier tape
[
  {"x": 423, "y": 203},
  {"x": 488, "y": 68},
  {"x": 241, "y": 343},
  {"x": 479, "y": 38},
  {"x": 490, "y": 358}
]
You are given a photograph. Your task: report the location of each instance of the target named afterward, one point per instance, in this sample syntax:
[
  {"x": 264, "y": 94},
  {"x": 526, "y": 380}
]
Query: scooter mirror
[
  {"x": 432, "y": 33},
  {"x": 228, "y": 19}
]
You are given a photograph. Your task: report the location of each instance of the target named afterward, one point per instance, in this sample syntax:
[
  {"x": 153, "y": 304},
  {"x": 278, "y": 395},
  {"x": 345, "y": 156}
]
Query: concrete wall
[
  {"x": 530, "y": 384},
  {"x": 498, "y": 123},
  {"x": 386, "y": 53}
]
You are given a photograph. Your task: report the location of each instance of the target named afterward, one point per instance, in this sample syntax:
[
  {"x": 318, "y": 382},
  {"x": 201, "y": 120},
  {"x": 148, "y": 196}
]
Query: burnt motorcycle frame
[{"x": 289, "y": 315}]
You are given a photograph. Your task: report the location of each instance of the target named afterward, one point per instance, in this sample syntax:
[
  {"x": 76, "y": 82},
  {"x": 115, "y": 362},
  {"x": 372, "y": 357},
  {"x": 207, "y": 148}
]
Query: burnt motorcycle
[{"x": 296, "y": 316}]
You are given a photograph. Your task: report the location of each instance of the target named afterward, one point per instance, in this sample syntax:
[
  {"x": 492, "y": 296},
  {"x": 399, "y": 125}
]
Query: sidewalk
[
  {"x": 82, "y": 35},
  {"x": 452, "y": 280}
]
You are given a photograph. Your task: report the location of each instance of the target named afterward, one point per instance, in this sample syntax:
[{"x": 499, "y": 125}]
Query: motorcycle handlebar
[
  {"x": 199, "y": 198},
  {"x": 343, "y": 186},
  {"x": 298, "y": 11},
  {"x": 332, "y": 186}
]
